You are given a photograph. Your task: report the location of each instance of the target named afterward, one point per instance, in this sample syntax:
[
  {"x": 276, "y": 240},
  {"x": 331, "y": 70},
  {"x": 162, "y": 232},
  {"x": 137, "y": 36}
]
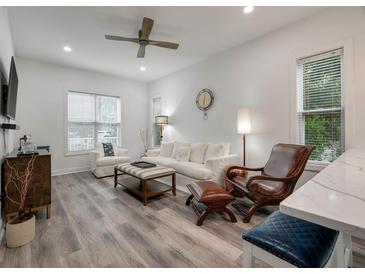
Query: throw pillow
[
  {"x": 183, "y": 154},
  {"x": 176, "y": 147},
  {"x": 166, "y": 149},
  {"x": 108, "y": 149},
  {"x": 216, "y": 150},
  {"x": 197, "y": 152}
]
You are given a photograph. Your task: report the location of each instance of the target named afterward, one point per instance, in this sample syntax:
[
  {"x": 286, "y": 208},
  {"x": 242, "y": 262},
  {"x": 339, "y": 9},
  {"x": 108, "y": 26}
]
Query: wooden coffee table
[{"x": 143, "y": 182}]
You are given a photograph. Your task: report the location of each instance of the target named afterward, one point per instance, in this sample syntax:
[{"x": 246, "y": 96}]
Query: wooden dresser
[{"x": 39, "y": 193}]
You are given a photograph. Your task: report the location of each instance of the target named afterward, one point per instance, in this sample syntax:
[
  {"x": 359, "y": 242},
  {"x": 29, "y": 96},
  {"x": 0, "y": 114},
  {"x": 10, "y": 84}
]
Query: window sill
[
  {"x": 315, "y": 166},
  {"x": 76, "y": 153}
]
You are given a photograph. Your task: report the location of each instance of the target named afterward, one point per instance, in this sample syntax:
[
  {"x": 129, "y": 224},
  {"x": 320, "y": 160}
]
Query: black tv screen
[
  {"x": 12, "y": 91},
  {"x": 2, "y": 82}
]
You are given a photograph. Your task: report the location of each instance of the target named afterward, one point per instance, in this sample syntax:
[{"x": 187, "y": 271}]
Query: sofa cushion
[
  {"x": 162, "y": 161},
  {"x": 176, "y": 147},
  {"x": 112, "y": 160},
  {"x": 216, "y": 150},
  {"x": 192, "y": 170},
  {"x": 197, "y": 152},
  {"x": 183, "y": 154},
  {"x": 166, "y": 149}
]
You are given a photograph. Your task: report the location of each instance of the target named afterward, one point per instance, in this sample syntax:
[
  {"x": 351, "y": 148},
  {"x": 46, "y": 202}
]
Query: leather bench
[
  {"x": 206, "y": 197},
  {"x": 293, "y": 241}
]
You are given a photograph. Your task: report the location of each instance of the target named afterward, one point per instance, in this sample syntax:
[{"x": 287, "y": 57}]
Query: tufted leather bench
[
  {"x": 296, "y": 241},
  {"x": 206, "y": 197}
]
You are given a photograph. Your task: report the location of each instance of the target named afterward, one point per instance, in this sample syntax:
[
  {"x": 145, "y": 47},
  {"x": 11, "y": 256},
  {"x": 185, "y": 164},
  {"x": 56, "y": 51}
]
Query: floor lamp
[
  {"x": 244, "y": 127},
  {"x": 161, "y": 120}
]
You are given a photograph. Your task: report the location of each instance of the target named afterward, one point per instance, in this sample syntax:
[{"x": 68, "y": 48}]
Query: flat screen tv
[
  {"x": 3, "y": 93},
  {"x": 12, "y": 91},
  {"x": 2, "y": 82}
]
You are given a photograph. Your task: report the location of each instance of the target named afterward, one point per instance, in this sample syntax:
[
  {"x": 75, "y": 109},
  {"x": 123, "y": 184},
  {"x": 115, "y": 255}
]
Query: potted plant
[{"x": 20, "y": 230}]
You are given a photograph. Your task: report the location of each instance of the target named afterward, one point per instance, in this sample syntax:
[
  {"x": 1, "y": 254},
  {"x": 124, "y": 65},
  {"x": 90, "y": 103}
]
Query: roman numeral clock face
[{"x": 204, "y": 101}]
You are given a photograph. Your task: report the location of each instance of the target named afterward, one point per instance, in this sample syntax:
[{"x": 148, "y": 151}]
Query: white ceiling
[{"x": 41, "y": 32}]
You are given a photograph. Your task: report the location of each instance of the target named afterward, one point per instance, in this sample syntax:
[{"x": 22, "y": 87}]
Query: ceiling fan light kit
[{"x": 143, "y": 38}]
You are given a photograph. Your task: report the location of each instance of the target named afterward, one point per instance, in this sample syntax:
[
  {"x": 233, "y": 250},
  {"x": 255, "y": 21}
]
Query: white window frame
[
  {"x": 153, "y": 119},
  {"x": 66, "y": 122},
  {"x": 301, "y": 112},
  {"x": 348, "y": 63}
]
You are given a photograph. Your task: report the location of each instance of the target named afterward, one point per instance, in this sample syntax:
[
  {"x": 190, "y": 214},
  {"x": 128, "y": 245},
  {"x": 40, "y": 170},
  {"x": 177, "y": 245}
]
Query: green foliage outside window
[
  {"x": 324, "y": 132},
  {"x": 322, "y": 113}
]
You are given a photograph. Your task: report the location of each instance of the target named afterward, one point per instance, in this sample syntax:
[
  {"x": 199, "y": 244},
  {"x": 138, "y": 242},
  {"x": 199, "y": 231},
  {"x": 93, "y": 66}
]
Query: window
[
  {"x": 321, "y": 104},
  {"x": 92, "y": 119},
  {"x": 156, "y": 110}
]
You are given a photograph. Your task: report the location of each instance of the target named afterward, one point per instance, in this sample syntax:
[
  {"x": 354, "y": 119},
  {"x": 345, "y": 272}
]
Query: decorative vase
[{"x": 18, "y": 234}]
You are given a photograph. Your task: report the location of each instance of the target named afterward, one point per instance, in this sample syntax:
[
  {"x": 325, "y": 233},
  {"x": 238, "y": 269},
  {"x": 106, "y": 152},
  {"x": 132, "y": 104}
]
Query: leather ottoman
[{"x": 206, "y": 197}]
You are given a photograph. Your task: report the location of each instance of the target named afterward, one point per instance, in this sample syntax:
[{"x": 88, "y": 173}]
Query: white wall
[
  {"x": 41, "y": 108},
  {"x": 6, "y": 51},
  {"x": 261, "y": 74}
]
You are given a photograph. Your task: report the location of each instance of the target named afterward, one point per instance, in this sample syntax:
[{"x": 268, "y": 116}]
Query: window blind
[
  {"x": 92, "y": 119},
  {"x": 321, "y": 104}
]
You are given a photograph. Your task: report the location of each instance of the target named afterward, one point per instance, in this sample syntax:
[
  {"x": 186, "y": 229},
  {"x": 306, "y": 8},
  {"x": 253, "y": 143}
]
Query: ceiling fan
[{"x": 143, "y": 38}]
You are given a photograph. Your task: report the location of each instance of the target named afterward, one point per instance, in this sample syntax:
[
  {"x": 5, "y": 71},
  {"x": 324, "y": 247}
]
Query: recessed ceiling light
[
  {"x": 67, "y": 48},
  {"x": 248, "y": 9},
  {"x": 142, "y": 68}
]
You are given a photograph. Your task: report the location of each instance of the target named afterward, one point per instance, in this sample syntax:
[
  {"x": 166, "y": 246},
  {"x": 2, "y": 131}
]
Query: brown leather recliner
[{"x": 276, "y": 181}]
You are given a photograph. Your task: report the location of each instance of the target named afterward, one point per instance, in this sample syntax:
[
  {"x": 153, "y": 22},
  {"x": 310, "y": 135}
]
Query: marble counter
[{"x": 335, "y": 197}]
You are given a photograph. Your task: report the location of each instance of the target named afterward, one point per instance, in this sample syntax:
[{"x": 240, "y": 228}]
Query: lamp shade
[
  {"x": 244, "y": 120},
  {"x": 161, "y": 120}
]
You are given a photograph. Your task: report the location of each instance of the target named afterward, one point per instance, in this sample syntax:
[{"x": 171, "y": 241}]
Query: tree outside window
[{"x": 320, "y": 104}]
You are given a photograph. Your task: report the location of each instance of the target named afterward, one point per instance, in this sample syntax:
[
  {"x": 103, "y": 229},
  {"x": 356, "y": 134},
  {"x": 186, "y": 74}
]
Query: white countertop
[{"x": 335, "y": 197}]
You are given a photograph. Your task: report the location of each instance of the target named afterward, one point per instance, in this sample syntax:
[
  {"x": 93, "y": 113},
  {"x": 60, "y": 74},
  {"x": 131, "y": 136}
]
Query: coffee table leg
[
  {"x": 144, "y": 183},
  {"x": 174, "y": 184}
]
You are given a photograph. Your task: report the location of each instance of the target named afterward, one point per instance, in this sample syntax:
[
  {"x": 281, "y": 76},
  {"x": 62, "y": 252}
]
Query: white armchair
[{"x": 103, "y": 166}]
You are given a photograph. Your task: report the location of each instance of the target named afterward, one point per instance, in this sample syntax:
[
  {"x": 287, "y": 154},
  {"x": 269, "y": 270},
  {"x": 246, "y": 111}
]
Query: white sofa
[
  {"x": 103, "y": 166},
  {"x": 205, "y": 161}
]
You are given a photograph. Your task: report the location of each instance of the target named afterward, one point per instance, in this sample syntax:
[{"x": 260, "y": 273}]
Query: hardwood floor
[{"x": 95, "y": 225}]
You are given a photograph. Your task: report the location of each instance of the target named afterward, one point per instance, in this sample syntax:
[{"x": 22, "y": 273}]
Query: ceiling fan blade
[
  {"x": 119, "y": 38},
  {"x": 147, "y": 25},
  {"x": 141, "y": 51},
  {"x": 163, "y": 44}
]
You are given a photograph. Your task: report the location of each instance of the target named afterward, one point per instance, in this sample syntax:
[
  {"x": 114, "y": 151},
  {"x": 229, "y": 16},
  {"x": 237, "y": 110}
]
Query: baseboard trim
[{"x": 63, "y": 171}]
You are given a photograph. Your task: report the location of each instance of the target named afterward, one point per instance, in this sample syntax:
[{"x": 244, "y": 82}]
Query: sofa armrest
[
  {"x": 94, "y": 155},
  {"x": 217, "y": 165},
  {"x": 121, "y": 151},
  {"x": 153, "y": 152}
]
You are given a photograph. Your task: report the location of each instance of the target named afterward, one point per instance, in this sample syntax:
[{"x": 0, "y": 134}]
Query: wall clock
[{"x": 204, "y": 101}]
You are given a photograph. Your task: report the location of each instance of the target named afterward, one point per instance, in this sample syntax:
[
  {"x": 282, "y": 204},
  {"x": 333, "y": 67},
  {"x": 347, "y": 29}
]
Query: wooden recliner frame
[{"x": 251, "y": 189}]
